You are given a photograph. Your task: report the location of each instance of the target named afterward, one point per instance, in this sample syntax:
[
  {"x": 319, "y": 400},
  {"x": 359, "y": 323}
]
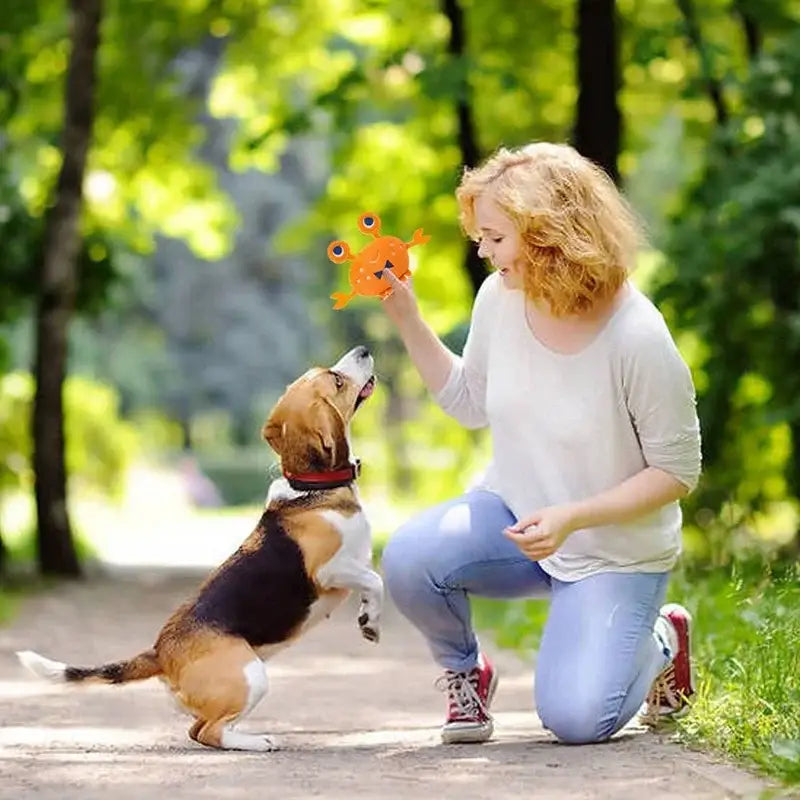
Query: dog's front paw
[{"x": 369, "y": 629}]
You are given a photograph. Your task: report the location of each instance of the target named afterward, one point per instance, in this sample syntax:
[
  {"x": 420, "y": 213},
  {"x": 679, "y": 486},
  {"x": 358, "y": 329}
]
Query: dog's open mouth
[{"x": 366, "y": 390}]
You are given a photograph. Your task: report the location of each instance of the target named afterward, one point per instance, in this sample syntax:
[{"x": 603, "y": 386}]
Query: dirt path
[{"x": 353, "y": 720}]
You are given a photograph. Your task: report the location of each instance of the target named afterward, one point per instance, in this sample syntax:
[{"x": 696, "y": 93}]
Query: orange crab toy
[{"x": 367, "y": 267}]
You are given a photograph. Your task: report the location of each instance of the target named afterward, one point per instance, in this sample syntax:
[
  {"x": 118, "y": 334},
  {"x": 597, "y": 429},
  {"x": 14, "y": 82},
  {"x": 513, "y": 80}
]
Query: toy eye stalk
[
  {"x": 338, "y": 252},
  {"x": 370, "y": 223}
]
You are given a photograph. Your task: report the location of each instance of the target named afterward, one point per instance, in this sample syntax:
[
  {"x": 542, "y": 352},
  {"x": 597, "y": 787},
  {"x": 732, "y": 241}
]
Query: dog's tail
[{"x": 138, "y": 668}]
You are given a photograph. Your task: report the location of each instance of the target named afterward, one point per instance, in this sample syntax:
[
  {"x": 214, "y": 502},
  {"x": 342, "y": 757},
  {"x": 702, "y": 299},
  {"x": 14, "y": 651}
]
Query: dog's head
[{"x": 308, "y": 426}]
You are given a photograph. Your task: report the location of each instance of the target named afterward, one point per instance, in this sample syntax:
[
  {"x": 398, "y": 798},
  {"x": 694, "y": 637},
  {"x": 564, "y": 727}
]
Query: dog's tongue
[{"x": 369, "y": 387}]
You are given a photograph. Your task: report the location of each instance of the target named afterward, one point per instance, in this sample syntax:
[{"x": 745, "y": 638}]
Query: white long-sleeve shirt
[{"x": 566, "y": 427}]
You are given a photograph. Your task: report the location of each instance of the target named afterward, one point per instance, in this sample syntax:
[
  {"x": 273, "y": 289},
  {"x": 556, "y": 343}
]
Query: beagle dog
[{"x": 309, "y": 550}]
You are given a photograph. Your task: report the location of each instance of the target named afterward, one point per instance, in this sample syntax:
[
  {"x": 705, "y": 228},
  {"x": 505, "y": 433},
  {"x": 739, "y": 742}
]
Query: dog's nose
[{"x": 361, "y": 352}]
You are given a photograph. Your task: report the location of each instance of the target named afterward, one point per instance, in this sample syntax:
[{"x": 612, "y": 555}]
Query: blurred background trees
[{"x": 232, "y": 140}]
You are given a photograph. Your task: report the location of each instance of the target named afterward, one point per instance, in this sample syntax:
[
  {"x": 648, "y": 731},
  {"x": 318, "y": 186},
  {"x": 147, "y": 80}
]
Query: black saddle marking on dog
[{"x": 261, "y": 594}]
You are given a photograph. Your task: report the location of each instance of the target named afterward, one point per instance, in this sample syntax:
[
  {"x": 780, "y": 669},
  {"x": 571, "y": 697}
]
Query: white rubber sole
[{"x": 469, "y": 732}]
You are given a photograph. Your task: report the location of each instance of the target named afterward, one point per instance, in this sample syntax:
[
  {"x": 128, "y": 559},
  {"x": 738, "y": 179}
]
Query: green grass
[
  {"x": 746, "y": 656},
  {"x": 747, "y": 651}
]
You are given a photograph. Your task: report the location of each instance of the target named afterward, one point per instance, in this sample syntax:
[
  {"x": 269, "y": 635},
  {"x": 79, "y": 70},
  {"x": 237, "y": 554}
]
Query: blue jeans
[{"x": 598, "y": 654}]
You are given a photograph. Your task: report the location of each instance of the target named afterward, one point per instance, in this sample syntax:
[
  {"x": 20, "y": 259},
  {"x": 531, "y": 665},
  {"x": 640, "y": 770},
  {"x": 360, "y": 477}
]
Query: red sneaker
[
  {"x": 469, "y": 695},
  {"x": 673, "y": 687}
]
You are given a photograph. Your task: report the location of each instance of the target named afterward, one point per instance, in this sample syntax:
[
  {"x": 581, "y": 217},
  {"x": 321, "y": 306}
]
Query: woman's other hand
[{"x": 543, "y": 532}]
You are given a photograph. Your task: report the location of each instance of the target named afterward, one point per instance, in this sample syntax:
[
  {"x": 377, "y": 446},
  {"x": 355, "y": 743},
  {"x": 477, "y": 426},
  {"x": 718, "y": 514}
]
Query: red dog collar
[{"x": 332, "y": 479}]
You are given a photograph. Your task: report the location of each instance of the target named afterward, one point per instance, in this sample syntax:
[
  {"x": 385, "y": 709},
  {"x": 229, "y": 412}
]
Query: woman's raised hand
[{"x": 401, "y": 303}]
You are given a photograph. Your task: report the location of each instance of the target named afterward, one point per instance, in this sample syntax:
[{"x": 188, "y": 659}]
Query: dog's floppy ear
[
  {"x": 326, "y": 423},
  {"x": 307, "y": 437},
  {"x": 273, "y": 432}
]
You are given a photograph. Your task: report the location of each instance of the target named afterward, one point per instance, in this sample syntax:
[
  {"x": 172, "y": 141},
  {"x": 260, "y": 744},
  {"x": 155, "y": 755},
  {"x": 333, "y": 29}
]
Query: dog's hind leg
[
  {"x": 223, "y": 735},
  {"x": 220, "y": 731},
  {"x": 220, "y": 689},
  {"x": 195, "y": 729}
]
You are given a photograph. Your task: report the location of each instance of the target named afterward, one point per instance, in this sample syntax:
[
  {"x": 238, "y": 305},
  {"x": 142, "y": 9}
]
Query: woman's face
[{"x": 500, "y": 241}]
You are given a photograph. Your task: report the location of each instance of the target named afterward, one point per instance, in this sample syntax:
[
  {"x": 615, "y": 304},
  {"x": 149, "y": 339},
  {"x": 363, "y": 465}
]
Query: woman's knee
[
  {"x": 402, "y": 562},
  {"x": 575, "y": 721},
  {"x": 437, "y": 542}
]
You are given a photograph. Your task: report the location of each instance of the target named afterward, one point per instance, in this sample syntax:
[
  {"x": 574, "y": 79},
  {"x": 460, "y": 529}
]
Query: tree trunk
[
  {"x": 3, "y": 555},
  {"x": 752, "y": 33},
  {"x": 598, "y": 123},
  {"x": 467, "y": 140},
  {"x": 712, "y": 83},
  {"x": 56, "y": 300}
]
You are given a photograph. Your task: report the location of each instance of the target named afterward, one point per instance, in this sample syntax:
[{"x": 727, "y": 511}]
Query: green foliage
[
  {"x": 143, "y": 176},
  {"x": 734, "y": 283},
  {"x": 748, "y": 664},
  {"x": 156, "y": 433},
  {"x": 242, "y": 476},
  {"x": 16, "y": 392},
  {"x": 517, "y": 625},
  {"x": 100, "y": 444},
  {"x": 368, "y": 93},
  {"x": 18, "y": 233}
]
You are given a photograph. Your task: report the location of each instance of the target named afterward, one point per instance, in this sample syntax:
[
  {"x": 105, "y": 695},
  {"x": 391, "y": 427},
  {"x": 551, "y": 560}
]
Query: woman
[{"x": 595, "y": 438}]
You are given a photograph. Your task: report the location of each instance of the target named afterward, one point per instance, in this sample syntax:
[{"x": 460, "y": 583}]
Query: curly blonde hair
[{"x": 579, "y": 235}]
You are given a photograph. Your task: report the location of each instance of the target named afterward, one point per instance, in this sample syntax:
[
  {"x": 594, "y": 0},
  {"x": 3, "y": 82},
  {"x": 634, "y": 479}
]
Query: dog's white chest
[{"x": 355, "y": 532}]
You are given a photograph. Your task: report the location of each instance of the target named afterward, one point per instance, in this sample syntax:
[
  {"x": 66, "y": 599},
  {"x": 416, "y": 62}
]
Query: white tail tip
[{"x": 41, "y": 666}]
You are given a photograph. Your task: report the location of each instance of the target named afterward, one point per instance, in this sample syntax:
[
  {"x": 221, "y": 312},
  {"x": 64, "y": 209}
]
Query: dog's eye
[{"x": 338, "y": 380}]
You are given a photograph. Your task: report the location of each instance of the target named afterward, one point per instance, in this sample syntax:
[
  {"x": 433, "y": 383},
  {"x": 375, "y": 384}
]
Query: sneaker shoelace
[
  {"x": 663, "y": 693},
  {"x": 462, "y": 693}
]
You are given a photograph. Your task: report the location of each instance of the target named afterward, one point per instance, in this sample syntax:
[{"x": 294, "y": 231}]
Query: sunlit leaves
[
  {"x": 735, "y": 280},
  {"x": 99, "y": 443},
  {"x": 145, "y": 137}
]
